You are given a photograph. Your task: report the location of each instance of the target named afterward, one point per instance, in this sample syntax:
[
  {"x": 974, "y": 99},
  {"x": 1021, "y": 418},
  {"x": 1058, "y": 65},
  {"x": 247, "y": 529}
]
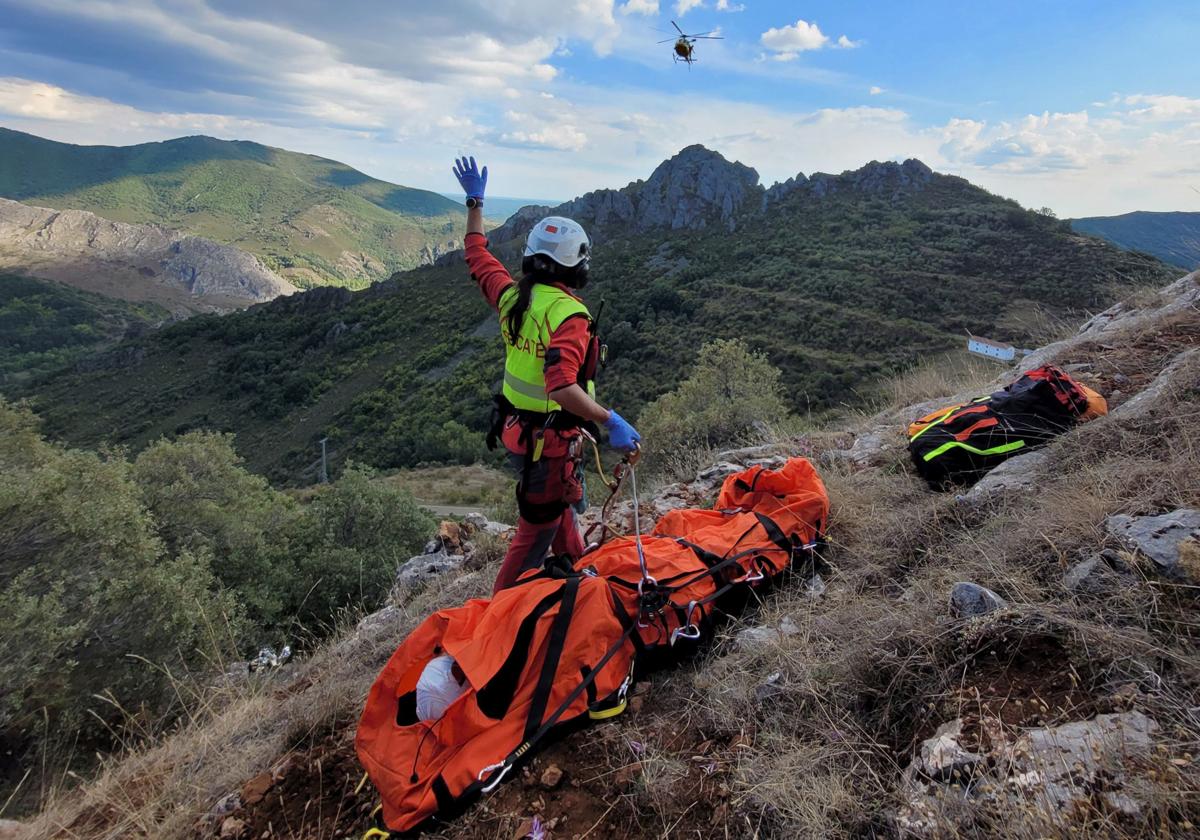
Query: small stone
[
  {"x": 943, "y": 757},
  {"x": 552, "y": 777},
  {"x": 772, "y": 686},
  {"x": 255, "y": 789},
  {"x": 11, "y": 829},
  {"x": 627, "y": 775},
  {"x": 232, "y": 828},
  {"x": 969, "y": 600},
  {"x": 227, "y": 804},
  {"x": 1103, "y": 573}
]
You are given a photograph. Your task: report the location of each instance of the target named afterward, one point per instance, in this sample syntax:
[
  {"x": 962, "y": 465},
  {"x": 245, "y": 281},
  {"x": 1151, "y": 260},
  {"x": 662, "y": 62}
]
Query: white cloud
[
  {"x": 682, "y": 7},
  {"x": 39, "y": 103},
  {"x": 875, "y": 90},
  {"x": 726, "y": 6},
  {"x": 560, "y": 137},
  {"x": 790, "y": 40},
  {"x": 787, "y": 42},
  {"x": 1159, "y": 107},
  {"x": 640, "y": 7}
]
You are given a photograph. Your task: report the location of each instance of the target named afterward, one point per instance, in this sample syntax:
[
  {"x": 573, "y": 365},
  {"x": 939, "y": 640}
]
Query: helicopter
[{"x": 685, "y": 44}]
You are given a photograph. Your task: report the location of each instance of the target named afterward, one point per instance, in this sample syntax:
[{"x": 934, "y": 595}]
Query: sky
[{"x": 1089, "y": 107}]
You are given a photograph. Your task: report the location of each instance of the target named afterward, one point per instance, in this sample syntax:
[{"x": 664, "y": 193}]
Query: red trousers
[{"x": 534, "y": 542}]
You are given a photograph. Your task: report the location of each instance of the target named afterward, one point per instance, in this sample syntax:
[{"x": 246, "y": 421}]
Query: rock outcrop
[
  {"x": 698, "y": 189},
  {"x": 141, "y": 263}
]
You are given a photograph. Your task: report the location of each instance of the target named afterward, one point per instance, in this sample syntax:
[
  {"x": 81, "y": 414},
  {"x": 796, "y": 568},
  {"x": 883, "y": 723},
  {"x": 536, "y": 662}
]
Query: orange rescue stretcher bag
[{"x": 562, "y": 646}]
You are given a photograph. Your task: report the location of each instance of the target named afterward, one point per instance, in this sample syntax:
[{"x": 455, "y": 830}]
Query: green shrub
[
  {"x": 354, "y": 535},
  {"x": 90, "y": 600},
  {"x": 731, "y": 394},
  {"x": 118, "y": 578}
]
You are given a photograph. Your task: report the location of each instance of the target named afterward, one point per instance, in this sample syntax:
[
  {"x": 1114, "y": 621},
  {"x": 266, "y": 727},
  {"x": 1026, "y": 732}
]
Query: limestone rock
[
  {"x": 871, "y": 448},
  {"x": 477, "y": 522},
  {"x": 772, "y": 686},
  {"x": 1105, "y": 572},
  {"x": 970, "y": 600},
  {"x": 719, "y": 471},
  {"x": 1057, "y": 764},
  {"x": 1014, "y": 475},
  {"x": 942, "y": 757},
  {"x": 418, "y": 571},
  {"x": 746, "y": 454},
  {"x": 1182, "y": 372},
  {"x": 1159, "y": 537},
  {"x": 753, "y": 638}
]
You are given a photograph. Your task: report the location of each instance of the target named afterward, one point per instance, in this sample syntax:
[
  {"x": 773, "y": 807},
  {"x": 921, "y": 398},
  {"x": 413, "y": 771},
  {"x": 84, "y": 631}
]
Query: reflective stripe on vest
[{"x": 525, "y": 356}]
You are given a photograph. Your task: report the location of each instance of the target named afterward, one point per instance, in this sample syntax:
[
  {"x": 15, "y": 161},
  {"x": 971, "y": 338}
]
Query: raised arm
[{"x": 491, "y": 275}]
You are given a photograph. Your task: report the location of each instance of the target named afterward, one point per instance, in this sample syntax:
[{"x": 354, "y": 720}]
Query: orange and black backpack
[{"x": 961, "y": 443}]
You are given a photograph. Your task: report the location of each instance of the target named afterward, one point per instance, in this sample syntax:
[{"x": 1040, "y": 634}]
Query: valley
[{"x": 842, "y": 280}]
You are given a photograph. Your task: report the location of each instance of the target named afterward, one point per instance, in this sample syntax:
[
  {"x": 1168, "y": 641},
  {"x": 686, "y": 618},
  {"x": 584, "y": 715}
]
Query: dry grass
[{"x": 876, "y": 666}]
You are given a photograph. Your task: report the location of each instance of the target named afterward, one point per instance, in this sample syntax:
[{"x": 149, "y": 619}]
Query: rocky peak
[
  {"x": 687, "y": 190},
  {"x": 692, "y": 190},
  {"x": 876, "y": 178}
]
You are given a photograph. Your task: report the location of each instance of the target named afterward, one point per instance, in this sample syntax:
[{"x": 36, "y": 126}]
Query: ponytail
[{"x": 520, "y": 306}]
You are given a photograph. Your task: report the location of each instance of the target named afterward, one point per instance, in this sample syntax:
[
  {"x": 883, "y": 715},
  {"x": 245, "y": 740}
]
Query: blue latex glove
[
  {"x": 621, "y": 435},
  {"x": 470, "y": 178}
]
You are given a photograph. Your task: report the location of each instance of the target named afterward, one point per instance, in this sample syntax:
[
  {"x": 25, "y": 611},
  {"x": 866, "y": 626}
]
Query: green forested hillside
[
  {"x": 839, "y": 288},
  {"x": 45, "y": 325},
  {"x": 315, "y": 221},
  {"x": 1172, "y": 237}
]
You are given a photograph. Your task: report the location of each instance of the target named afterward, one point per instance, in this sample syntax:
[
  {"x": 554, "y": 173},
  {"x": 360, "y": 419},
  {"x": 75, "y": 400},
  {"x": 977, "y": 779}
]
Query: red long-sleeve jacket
[{"x": 570, "y": 339}]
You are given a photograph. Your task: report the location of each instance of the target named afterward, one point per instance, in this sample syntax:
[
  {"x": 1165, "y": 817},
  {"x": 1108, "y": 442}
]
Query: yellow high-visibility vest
[{"x": 525, "y": 353}]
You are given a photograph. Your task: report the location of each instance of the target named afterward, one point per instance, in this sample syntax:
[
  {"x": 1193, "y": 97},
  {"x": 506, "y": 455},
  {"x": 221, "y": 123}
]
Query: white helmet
[{"x": 562, "y": 240}]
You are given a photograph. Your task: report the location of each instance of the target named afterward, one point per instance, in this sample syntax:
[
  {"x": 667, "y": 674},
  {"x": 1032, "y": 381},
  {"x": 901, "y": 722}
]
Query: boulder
[
  {"x": 1058, "y": 764},
  {"x": 418, "y": 571},
  {"x": 772, "y": 462},
  {"x": 1159, "y": 537},
  {"x": 478, "y": 523},
  {"x": 1036, "y": 784},
  {"x": 970, "y": 600},
  {"x": 1014, "y": 475}
]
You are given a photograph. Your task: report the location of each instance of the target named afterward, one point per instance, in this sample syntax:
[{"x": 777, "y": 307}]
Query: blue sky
[{"x": 1086, "y": 107}]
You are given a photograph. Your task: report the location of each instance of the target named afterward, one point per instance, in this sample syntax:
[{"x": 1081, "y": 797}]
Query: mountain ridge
[
  {"x": 137, "y": 263},
  {"x": 1172, "y": 236},
  {"x": 698, "y": 187},
  {"x": 313, "y": 219}
]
